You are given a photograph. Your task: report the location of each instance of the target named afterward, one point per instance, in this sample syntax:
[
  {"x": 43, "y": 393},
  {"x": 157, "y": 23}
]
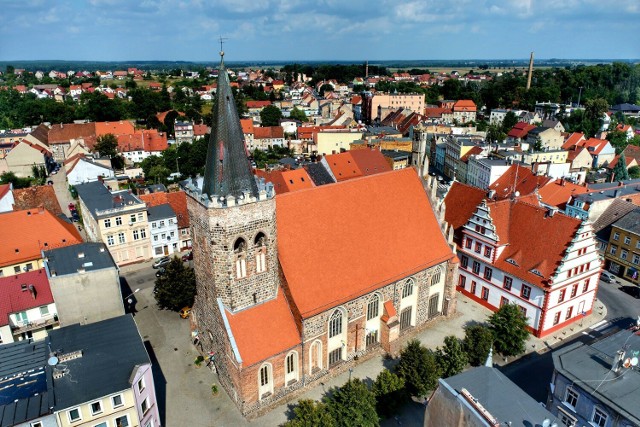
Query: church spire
[{"x": 227, "y": 171}]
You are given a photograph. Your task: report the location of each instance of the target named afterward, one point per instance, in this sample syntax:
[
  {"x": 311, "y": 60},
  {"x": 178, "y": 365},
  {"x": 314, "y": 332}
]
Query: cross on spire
[{"x": 222, "y": 39}]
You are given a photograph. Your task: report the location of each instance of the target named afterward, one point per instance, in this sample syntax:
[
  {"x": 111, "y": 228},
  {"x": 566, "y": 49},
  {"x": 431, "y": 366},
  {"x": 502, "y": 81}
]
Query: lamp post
[{"x": 177, "y": 166}]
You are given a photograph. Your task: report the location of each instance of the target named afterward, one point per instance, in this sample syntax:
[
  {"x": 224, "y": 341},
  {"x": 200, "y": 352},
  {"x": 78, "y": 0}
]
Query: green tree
[
  {"x": 176, "y": 288},
  {"x": 270, "y": 116},
  {"x": 477, "y": 343},
  {"x": 325, "y": 88},
  {"x": 159, "y": 173},
  {"x": 537, "y": 145},
  {"x": 106, "y": 145},
  {"x": 353, "y": 405},
  {"x": 11, "y": 178},
  {"x": 634, "y": 172},
  {"x": 418, "y": 368},
  {"x": 310, "y": 413},
  {"x": 620, "y": 172},
  {"x": 298, "y": 114},
  {"x": 495, "y": 133},
  {"x": 509, "y": 121},
  {"x": 594, "y": 110},
  {"x": 390, "y": 393},
  {"x": 451, "y": 358},
  {"x": 509, "y": 327}
]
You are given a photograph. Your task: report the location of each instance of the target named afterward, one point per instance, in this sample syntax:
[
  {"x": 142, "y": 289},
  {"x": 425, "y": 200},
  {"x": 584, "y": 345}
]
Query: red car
[
  {"x": 72, "y": 207},
  {"x": 188, "y": 256}
]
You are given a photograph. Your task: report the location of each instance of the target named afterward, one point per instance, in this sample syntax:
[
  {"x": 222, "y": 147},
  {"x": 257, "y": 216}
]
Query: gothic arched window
[
  {"x": 260, "y": 243},
  {"x": 240, "y": 251}
]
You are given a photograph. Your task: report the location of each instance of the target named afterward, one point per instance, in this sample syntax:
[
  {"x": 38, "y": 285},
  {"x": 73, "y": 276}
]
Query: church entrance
[{"x": 405, "y": 318}]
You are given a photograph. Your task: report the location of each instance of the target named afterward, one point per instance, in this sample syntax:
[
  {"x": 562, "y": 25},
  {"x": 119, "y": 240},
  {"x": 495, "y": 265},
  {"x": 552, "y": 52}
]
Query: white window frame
[
  {"x": 107, "y": 223},
  {"x": 113, "y": 405},
  {"x": 99, "y": 411},
  {"x": 44, "y": 310},
  {"x": 122, "y": 416},
  {"x": 335, "y": 324},
  {"x": 77, "y": 408},
  {"x": 265, "y": 387},
  {"x": 602, "y": 414},
  {"x": 291, "y": 375},
  {"x": 566, "y": 397},
  {"x": 36, "y": 424},
  {"x": 140, "y": 385}
]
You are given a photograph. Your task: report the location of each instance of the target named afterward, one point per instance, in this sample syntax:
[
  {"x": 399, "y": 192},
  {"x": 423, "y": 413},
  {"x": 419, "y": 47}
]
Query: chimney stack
[{"x": 530, "y": 74}]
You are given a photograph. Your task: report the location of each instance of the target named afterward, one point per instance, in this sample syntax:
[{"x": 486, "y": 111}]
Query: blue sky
[{"x": 188, "y": 30}]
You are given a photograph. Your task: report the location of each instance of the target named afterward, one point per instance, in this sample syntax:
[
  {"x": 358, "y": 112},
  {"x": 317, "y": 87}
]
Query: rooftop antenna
[{"x": 222, "y": 39}]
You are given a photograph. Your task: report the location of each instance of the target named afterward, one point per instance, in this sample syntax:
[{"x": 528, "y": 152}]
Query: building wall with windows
[
  {"x": 34, "y": 322},
  {"x": 163, "y": 226},
  {"x": 622, "y": 254},
  {"x": 118, "y": 409}
]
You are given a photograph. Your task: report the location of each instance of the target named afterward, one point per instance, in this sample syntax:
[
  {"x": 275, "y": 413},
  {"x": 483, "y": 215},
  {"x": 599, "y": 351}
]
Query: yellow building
[
  {"x": 335, "y": 140},
  {"x": 119, "y": 219},
  {"x": 550, "y": 156}
]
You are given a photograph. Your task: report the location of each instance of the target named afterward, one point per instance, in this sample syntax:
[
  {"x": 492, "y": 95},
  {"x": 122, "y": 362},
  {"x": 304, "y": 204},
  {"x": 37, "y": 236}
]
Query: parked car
[
  {"x": 160, "y": 272},
  {"x": 74, "y": 216},
  {"x": 162, "y": 262},
  {"x": 608, "y": 277},
  {"x": 71, "y": 207},
  {"x": 185, "y": 312},
  {"x": 188, "y": 256}
]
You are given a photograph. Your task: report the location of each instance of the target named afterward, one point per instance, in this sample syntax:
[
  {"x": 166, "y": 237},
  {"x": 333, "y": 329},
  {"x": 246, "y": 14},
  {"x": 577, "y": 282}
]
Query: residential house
[
  {"x": 30, "y": 406},
  {"x": 331, "y": 141},
  {"x": 378, "y": 105},
  {"x": 464, "y": 111},
  {"x": 516, "y": 181},
  {"x": 519, "y": 132},
  {"x": 601, "y": 150},
  {"x": 484, "y": 171},
  {"x": 553, "y": 124},
  {"x": 164, "y": 230},
  {"x": 117, "y": 218},
  {"x": 84, "y": 282},
  {"x": 632, "y": 157},
  {"x": 141, "y": 144},
  {"x": 548, "y": 138},
  {"x": 558, "y": 193},
  {"x": 629, "y": 110},
  {"x": 36, "y": 197},
  {"x": 456, "y": 148},
  {"x": 25, "y": 155},
  {"x": 597, "y": 384},
  {"x": 178, "y": 202},
  {"x": 600, "y": 196},
  {"x": 396, "y": 159},
  {"x": 62, "y": 136},
  {"x": 479, "y": 397},
  {"x": 622, "y": 256},
  {"x": 266, "y": 137},
  {"x": 553, "y": 282},
  {"x": 183, "y": 131},
  {"x": 557, "y": 156},
  {"x": 26, "y": 233},
  {"x": 497, "y": 116},
  {"x": 602, "y": 226},
  {"x": 81, "y": 169},
  {"x": 102, "y": 376},
  {"x": 626, "y": 129},
  {"x": 27, "y": 307},
  {"x": 354, "y": 164},
  {"x": 579, "y": 159}
]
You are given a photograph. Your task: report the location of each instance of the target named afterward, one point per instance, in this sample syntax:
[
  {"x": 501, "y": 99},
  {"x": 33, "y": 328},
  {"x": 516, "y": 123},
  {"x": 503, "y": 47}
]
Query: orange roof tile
[
  {"x": 268, "y": 132},
  {"x": 520, "y": 130},
  {"x": 200, "y": 130},
  {"x": 464, "y": 105},
  {"x": 461, "y": 202},
  {"x": 177, "y": 200},
  {"x": 557, "y": 193},
  {"x": 296, "y": 179},
  {"x": 34, "y": 197},
  {"x": 247, "y": 126},
  {"x": 518, "y": 179},
  {"x": 63, "y": 133},
  {"x": 258, "y": 104},
  {"x": 264, "y": 330},
  {"x": 517, "y": 225},
  {"x": 354, "y": 222},
  {"x": 572, "y": 140},
  {"x": 595, "y": 145},
  {"x": 369, "y": 161},
  {"x": 4, "y": 189},
  {"x": 25, "y": 233},
  {"x": 123, "y": 127},
  {"x": 343, "y": 166}
]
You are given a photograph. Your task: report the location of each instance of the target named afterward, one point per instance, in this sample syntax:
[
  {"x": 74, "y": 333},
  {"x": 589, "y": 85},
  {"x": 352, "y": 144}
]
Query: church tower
[{"x": 233, "y": 223}]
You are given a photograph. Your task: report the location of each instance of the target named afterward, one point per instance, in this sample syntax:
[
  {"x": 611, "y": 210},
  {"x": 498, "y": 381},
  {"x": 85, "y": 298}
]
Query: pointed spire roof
[{"x": 227, "y": 171}]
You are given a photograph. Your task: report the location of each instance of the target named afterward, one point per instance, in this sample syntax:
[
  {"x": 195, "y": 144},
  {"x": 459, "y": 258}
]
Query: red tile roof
[
  {"x": 435, "y": 112},
  {"x": 34, "y": 197},
  {"x": 4, "y": 189},
  {"x": 557, "y": 193},
  {"x": 26, "y": 233},
  {"x": 258, "y": 104},
  {"x": 143, "y": 140},
  {"x": 594, "y": 145},
  {"x": 517, "y": 225},
  {"x": 177, "y": 200},
  {"x": 13, "y": 298},
  {"x": 518, "y": 179},
  {"x": 520, "y": 130},
  {"x": 247, "y": 126},
  {"x": 573, "y": 140},
  {"x": 268, "y": 132},
  {"x": 461, "y": 202},
  {"x": 63, "y": 133},
  {"x": 123, "y": 127},
  {"x": 369, "y": 161},
  {"x": 464, "y": 105},
  {"x": 308, "y": 132},
  {"x": 343, "y": 166},
  {"x": 200, "y": 130},
  {"x": 354, "y": 222},
  {"x": 264, "y": 330}
]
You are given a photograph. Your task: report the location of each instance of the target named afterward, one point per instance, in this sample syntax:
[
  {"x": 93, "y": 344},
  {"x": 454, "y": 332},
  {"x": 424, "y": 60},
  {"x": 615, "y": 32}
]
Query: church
[{"x": 298, "y": 286}]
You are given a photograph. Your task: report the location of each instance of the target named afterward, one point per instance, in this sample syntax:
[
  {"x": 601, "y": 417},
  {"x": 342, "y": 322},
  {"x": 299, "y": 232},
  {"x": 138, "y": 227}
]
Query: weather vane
[{"x": 222, "y": 39}]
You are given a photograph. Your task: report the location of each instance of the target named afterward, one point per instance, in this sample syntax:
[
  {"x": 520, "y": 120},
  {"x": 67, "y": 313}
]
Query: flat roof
[{"x": 84, "y": 256}]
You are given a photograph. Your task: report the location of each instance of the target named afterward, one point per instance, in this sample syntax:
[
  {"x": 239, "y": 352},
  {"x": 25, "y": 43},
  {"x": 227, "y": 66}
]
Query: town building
[
  {"x": 378, "y": 105},
  {"x": 6, "y": 197},
  {"x": 81, "y": 169},
  {"x": 35, "y": 197},
  {"x": 85, "y": 283},
  {"x": 164, "y": 230},
  {"x": 178, "y": 202},
  {"x": 553, "y": 281},
  {"x": 27, "y": 307},
  {"x": 622, "y": 255},
  {"x": 291, "y": 297},
  {"x": 26, "y": 155},
  {"x": 26, "y": 233},
  {"x": 116, "y": 218},
  {"x": 597, "y": 384},
  {"x": 482, "y": 396},
  {"x": 484, "y": 171},
  {"x": 183, "y": 131}
]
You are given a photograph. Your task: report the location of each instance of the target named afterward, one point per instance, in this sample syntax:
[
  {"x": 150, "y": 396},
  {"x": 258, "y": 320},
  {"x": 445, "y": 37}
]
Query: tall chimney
[
  {"x": 530, "y": 72},
  {"x": 366, "y": 70}
]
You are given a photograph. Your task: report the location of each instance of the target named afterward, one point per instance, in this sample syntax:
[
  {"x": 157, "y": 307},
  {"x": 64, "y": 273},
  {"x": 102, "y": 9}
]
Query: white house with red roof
[
  {"x": 6, "y": 198},
  {"x": 27, "y": 309},
  {"x": 553, "y": 281},
  {"x": 626, "y": 129}
]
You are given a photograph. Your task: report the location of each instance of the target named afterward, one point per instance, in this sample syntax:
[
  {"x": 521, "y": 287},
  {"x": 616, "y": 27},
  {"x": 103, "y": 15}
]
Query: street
[{"x": 622, "y": 310}]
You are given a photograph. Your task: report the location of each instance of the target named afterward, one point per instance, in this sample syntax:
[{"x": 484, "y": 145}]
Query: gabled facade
[
  {"x": 622, "y": 254},
  {"x": 553, "y": 282}
]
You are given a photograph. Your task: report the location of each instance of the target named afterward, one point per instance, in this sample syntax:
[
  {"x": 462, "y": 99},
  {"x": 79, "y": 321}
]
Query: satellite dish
[
  {"x": 546, "y": 422},
  {"x": 52, "y": 361},
  {"x": 634, "y": 361}
]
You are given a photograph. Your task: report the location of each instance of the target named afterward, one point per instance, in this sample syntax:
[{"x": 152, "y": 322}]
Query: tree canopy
[
  {"x": 353, "y": 405},
  {"x": 477, "y": 343},
  {"x": 451, "y": 357},
  {"x": 418, "y": 368},
  {"x": 176, "y": 288},
  {"x": 270, "y": 116},
  {"x": 509, "y": 327}
]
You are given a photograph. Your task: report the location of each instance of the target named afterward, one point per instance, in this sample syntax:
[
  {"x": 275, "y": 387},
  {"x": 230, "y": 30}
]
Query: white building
[
  {"x": 164, "y": 230},
  {"x": 482, "y": 171},
  {"x": 553, "y": 281},
  {"x": 85, "y": 170}
]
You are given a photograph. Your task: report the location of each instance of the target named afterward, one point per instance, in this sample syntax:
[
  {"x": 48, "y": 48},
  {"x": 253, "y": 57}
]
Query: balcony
[{"x": 20, "y": 327}]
